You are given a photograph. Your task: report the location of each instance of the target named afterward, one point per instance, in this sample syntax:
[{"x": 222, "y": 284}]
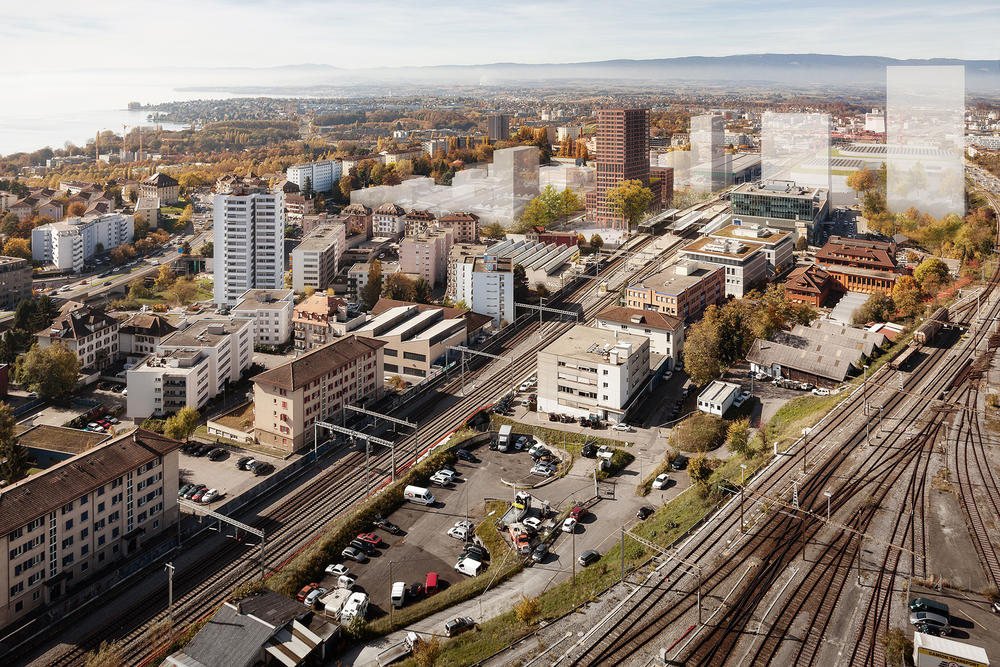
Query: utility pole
[
  {"x": 623, "y": 553},
  {"x": 391, "y": 605},
  {"x": 743, "y": 469},
  {"x": 169, "y": 567},
  {"x": 828, "y": 496},
  {"x": 574, "y": 556}
]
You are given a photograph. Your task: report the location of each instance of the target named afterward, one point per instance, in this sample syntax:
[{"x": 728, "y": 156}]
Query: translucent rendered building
[
  {"x": 924, "y": 122},
  {"x": 796, "y": 147},
  {"x": 709, "y": 162}
]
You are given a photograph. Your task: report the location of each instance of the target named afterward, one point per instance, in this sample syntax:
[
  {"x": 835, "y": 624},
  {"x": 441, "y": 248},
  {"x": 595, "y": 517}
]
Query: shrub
[
  {"x": 619, "y": 461},
  {"x": 700, "y": 432},
  {"x": 896, "y": 646},
  {"x": 426, "y": 652},
  {"x": 527, "y": 609}
]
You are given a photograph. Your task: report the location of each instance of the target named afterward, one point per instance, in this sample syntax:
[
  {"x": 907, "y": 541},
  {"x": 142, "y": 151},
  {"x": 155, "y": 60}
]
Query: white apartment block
[
  {"x": 665, "y": 332},
  {"x": 70, "y": 243},
  {"x": 271, "y": 312},
  {"x": 316, "y": 260},
  {"x": 249, "y": 241},
  {"x": 80, "y": 517},
  {"x": 190, "y": 367},
  {"x": 426, "y": 255},
  {"x": 486, "y": 285},
  {"x": 589, "y": 371},
  {"x": 322, "y": 175}
]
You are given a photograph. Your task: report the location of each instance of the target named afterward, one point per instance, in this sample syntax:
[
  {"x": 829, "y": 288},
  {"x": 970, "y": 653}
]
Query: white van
[
  {"x": 398, "y": 594},
  {"x": 468, "y": 566},
  {"x": 355, "y": 607},
  {"x": 419, "y": 495}
]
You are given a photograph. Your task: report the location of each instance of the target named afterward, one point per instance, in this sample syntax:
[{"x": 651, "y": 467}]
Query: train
[{"x": 923, "y": 336}]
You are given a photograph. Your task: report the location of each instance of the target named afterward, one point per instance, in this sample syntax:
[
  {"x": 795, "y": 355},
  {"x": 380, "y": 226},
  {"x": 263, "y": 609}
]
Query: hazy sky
[{"x": 68, "y": 34}]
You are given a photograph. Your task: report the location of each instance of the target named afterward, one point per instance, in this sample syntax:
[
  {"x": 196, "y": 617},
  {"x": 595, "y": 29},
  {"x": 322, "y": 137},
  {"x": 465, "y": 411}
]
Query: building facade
[
  {"x": 15, "y": 281},
  {"x": 743, "y": 261},
  {"x": 316, "y": 260},
  {"x": 622, "y": 154},
  {"x": 71, "y": 242},
  {"x": 811, "y": 285},
  {"x": 417, "y": 222},
  {"x": 249, "y": 240},
  {"x": 387, "y": 220},
  {"x": 271, "y": 313},
  {"x": 682, "y": 291},
  {"x": 321, "y": 319},
  {"x": 486, "y": 285},
  {"x": 665, "y": 332},
  {"x": 86, "y": 332},
  {"x": 140, "y": 334},
  {"x": 498, "y": 127},
  {"x": 321, "y": 176},
  {"x": 426, "y": 255},
  {"x": 289, "y": 399},
  {"x": 464, "y": 226},
  {"x": 161, "y": 186}
]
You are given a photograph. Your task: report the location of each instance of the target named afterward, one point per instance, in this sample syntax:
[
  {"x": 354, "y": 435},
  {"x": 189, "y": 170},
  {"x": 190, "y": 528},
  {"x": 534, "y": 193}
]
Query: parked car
[
  {"x": 578, "y": 513},
  {"x": 352, "y": 553},
  {"x": 553, "y": 417},
  {"x": 363, "y": 546},
  {"x": 661, "y": 481},
  {"x": 543, "y": 469},
  {"x": 477, "y": 552},
  {"x": 261, "y": 468},
  {"x": 184, "y": 489},
  {"x": 927, "y": 604},
  {"x": 371, "y": 538},
  {"x": 821, "y": 391},
  {"x": 569, "y": 525},
  {"x": 929, "y": 619},
  {"x": 337, "y": 570},
  {"x": 468, "y": 566},
  {"x": 589, "y": 450},
  {"x": 217, "y": 454},
  {"x": 587, "y": 557},
  {"x": 306, "y": 590},
  {"x": 415, "y": 591},
  {"x": 540, "y": 552},
  {"x": 644, "y": 513},
  {"x": 440, "y": 480},
  {"x": 243, "y": 462},
  {"x": 680, "y": 462},
  {"x": 386, "y": 525},
  {"x": 457, "y": 626},
  {"x": 466, "y": 455},
  {"x": 520, "y": 443},
  {"x": 201, "y": 488},
  {"x": 459, "y": 532},
  {"x": 310, "y": 599},
  {"x": 605, "y": 452},
  {"x": 210, "y": 495},
  {"x": 533, "y": 522},
  {"x": 621, "y": 426}
]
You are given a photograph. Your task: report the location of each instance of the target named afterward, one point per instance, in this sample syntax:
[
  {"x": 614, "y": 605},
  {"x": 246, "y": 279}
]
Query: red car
[
  {"x": 578, "y": 513},
  {"x": 306, "y": 590},
  {"x": 371, "y": 538}
]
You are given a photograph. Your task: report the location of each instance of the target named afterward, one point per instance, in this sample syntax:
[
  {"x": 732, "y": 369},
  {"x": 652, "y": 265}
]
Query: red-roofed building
[{"x": 811, "y": 285}]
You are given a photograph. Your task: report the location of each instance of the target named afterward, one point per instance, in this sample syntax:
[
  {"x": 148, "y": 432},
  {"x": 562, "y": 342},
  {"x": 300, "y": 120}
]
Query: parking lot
[{"x": 223, "y": 474}]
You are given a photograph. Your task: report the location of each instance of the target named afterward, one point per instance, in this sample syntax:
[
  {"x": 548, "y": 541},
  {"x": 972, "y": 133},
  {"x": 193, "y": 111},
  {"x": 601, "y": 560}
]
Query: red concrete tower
[{"x": 622, "y": 155}]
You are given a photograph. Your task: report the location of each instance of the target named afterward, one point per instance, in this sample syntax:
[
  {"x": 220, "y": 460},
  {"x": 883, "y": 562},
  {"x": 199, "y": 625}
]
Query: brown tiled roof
[
  {"x": 76, "y": 320},
  {"x": 70, "y": 479},
  {"x": 303, "y": 370},
  {"x": 423, "y": 216},
  {"x": 651, "y": 318},
  {"x": 357, "y": 209},
  {"x": 161, "y": 180},
  {"x": 389, "y": 208},
  {"x": 147, "y": 324},
  {"x": 860, "y": 252},
  {"x": 319, "y": 304},
  {"x": 809, "y": 279},
  {"x": 459, "y": 216}
]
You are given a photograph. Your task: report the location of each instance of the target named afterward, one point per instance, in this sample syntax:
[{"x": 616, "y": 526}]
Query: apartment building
[
  {"x": 776, "y": 244},
  {"x": 811, "y": 285},
  {"x": 162, "y": 186},
  {"x": 357, "y": 276},
  {"x": 316, "y": 260},
  {"x": 86, "y": 332},
  {"x": 15, "y": 281},
  {"x": 140, "y": 334},
  {"x": 665, "y": 332},
  {"x": 744, "y": 261},
  {"x": 622, "y": 155},
  {"x": 457, "y": 255},
  {"x": 464, "y": 226},
  {"x": 271, "y": 313},
  {"x": 426, "y": 255},
  {"x": 589, "y": 371},
  {"x": 417, "y": 222},
  {"x": 320, "y": 176},
  {"x": 83, "y": 516},
  {"x": 321, "y": 319},
  {"x": 498, "y": 126},
  {"x": 486, "y": 285},
  {"x": 249, "y": 239},
  {"x": 359, "y": 220},
  {"x": 289, "y": 399},
  {"x": 683, "y": 290},
  {"x": 68, "y": 244},
  {"x": 387, "y": 220}
]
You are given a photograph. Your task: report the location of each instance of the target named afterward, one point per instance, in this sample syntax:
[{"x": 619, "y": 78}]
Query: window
[
  {"x": 83, "y": 516},
  {"x": 114, "y": 533},
  {"x": 100, "y": 507},
  {"x": 84, "y": 550},
  {"x": 69, "y": 524}
]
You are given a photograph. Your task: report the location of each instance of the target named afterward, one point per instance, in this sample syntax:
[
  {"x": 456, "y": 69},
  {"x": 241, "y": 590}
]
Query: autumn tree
[
  {"x": 596, "y": 242},
  {"x": 878, "y": 308},
  {"x": 494, "y": 230},
  {"x": 908, "y": 296},
  {"x": 15, "y": 247},
  {"x": 51, "y": 371},
  {"x": 373, "y": 289},
  {"x": 932, "y": 274},
  {"x": 629, "y": 200},
  {"x": 862, "y": 180},
  {"x": 207, "y": 249},
  {"x": 76, "y": 209},
  {"x": 165, "y": 278},
  {"x": 140, "y": 228},
  {"x": 181, "y": 425},
  {"x": 738, "y": 438},
  {"x": 13, "y": 455},
  {"x": 183, "y": 290},
  {"x": 700, "y": 472},
  {"x": 9, "y": 224},
  {"x": 422, "y": 292},
  {"x": 399, "y": 287},
  {"x": 701, "y": 351}
]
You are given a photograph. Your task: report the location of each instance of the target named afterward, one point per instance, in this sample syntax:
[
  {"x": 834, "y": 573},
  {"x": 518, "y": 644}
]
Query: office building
[
  {"x": 426, "y": 255},
  {"x": 15, "y": 281},
  {"x": 249, "y": 240},
  {"x": 811, "y": 285},
  {"x": 744, "y": 262},
  {"x": 321, "y": 319},
  {"x": 486, "y": 285},
  {"x": 289, "y": 399},
  {"x": 776, "y": 244},
  {"x": 571, "y": 132},
  {"x": 271, "y": 313},
  {"x": 387, "y": 221},
  {"x": 68, "y": 244},
  {"x": 860, "y": 265},
  {"x": 780, "y": 205},
  {"x": 796, "y": 147},
  {"x": 925, "y": 139},
  {"x": 498, "y": 127},
  {"x": 190, "y": 367},
  {"x": 87, "y": 332},
  {"x": 66, "y": 526},
  {"x": 683, "y": 290},
  {"x": 665, "y": 332},
  {"x": 709, "y": 167},
  {"x": 622, "y": 154},
  {"x": 321, "y": 176},
  {"x": 589, "y": 371},
  {"x": 316, "y": 260}
]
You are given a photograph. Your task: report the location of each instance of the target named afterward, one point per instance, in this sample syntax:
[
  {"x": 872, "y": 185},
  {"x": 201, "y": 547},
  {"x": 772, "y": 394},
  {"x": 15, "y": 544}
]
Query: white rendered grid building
[
  {"x": 249, "y": 230},
  {"x": 322, "y": 175},
  {"x": 796, "y": 147}
]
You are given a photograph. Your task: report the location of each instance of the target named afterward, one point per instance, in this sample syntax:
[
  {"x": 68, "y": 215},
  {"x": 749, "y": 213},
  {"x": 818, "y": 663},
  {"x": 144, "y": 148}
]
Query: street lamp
[
  {"x": 828, "y": 496},
  {"x": 743, "y": 469}
]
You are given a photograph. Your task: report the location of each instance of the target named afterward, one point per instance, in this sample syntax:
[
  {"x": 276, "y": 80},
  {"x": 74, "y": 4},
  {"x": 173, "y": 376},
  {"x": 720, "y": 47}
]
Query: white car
[
  {"x": 820, "y": 391},
  {"x": 210, "y": 495},
  {"x": 338, "y": 570},
  {"x": 525, "y": 386},
  {"x": 447, "y": 472},
  {"x": 661, "y": 481},
  {"x": 621, "y": 426},
  {"x": 668, "y": 375},
  {"x": 459, "y": 532},
  {"x": 569, "y": 525},
  {"x": 542, "y": 469},
  {"x": 440, "y": 479},
  {"x": 314, "y": 595},
  {"x": 605, "y": 452},
  {"x": 520, "y": 443},
  {"x": 533, "y": 522}
]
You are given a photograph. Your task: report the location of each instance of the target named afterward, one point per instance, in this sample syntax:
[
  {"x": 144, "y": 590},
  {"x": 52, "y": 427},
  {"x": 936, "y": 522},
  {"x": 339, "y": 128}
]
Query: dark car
[
  {"x": 587, "y": 557},
  {"x": 386, "y": 525},
  {"x": 184, "y": 489},
  {"x": 589, "y": 450},
  {"x": 644, "y": 513},
  {"x": 261, "y": 468},
  {"x": 457, "y": 626},
  {"x": 415, "y": 591},
  {"x": 540, "y": 552},
  {"x": 567, "y": 419},
  {"x": 352, "y": 553},
  {"x": 477, "y": 552},
  {"x": 205, "y": 449},
  {"x": 201, "y": 488},
  {"x": 466, "y": 455},
  {"x": 243, "y": 462},
  {"x": 680, "y": 462},
  {"x": 217, "y": 454},
  {"x": 363, "y": 546},
  {"x": 553, "y": 417}
]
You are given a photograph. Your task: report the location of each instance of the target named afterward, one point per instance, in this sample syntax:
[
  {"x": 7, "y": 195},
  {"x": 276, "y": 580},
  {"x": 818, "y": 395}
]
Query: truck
[
  {"x": 503, "y": 438},
  {"x": 931, "y": 651},
  {"x": 522, "y": 503},
  {"x": 333, "y": 602},
  {"x": 399, "y": 650}
]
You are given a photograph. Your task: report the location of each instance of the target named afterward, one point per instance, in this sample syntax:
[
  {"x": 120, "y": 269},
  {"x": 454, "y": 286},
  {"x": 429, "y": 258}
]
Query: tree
[
  {"x": 165, "y": 278},
  {"x": 183, "y": 291},
  {"x": 9, "y": 224},
  {"x": 426, "y": 652},
  {"x": 140, "y": 228},
  {"x": 520, "y": 283},
  {"x": 542, "y": 290},
  {"x": 14, "y": 456},
  {"x": 596, "y": 242},
  {"x": 181, "y": 425},
  {"x": 422, "y": 292},
  {"x": 629, "y": 200},
  {"x": 137, "y": 290},
  {"x": 863, "y": 180},
  {"x": 895, "y": 646},
  {"x": 907, "y": 296},
  {"x": 700, "y": 471},
  {"x": 701, "y": 351},
  {"x": 932, "y": 274},
  {"x": 738, "y": 438},
  {"x": 878, "y": 308},
  {"x": 569, "y": 203},
  {"x": 207, "y": 249},
  {"x": 373, "y": 289},
  {"x": 399, "y": 287},
  {"x": 186, "y": 248},
  {"x": 76, "y": 209},
  {"x": 802, "y": 243},
  {"x": 51, "y": 371},
  {"x": 494, "y": 230},
  {"x": 581, "y": 240},
  {"x": 527, "y": 609},
  {"x": 16, "y": 247},
  {"x": 307, "y": 187},
  {"x": 308, "y": 291}
]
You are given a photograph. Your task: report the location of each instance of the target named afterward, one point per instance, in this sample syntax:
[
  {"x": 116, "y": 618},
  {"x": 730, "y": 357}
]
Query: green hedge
[{"x": 619, "y": 461}]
